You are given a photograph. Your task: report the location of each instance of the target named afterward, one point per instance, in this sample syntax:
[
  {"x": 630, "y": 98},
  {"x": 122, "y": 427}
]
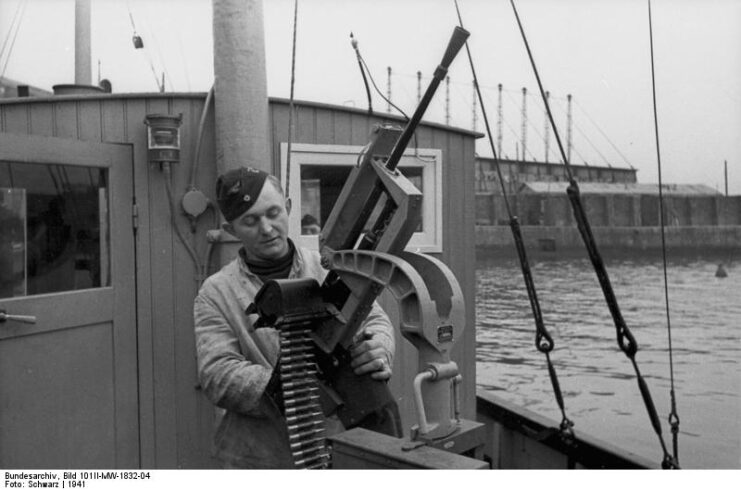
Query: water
[{"x": 601, "y": 394}]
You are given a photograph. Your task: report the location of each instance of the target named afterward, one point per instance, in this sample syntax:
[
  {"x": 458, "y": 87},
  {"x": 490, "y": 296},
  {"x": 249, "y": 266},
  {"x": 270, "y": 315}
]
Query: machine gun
[{"x": 362, "y": 245}]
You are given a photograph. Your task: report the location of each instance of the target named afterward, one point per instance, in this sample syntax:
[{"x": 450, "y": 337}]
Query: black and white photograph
[{"x": 369, "y": 235}]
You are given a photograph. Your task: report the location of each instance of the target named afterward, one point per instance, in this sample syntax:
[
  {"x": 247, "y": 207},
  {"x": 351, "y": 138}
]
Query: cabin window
[
  {"x": 55, "y": 235},
  {"x": 318, "y": 173}
]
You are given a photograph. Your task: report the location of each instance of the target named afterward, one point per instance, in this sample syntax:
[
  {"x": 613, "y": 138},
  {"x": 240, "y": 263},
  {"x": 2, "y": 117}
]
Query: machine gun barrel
[{"x": 457, "y": 41}]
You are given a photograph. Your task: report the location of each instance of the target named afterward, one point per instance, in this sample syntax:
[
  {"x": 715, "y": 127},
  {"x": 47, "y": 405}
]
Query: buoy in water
[{"x": 721, "y": 271}]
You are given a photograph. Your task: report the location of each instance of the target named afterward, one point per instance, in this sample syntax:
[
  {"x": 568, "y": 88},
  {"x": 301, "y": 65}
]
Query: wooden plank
[
  {"x": 191, "y": 453},
  {"x": 92, "y": 308},
  {"x": 364, "y": 449},
  {"x": 526, "y": 439},
  {"x": 15, "y": 119},
  {"x": 279, "y": 121},
  {"x": 468, "y": 273},
  {"x": 41, "y": 119},
  {"x": 325, "y": 127},
  {"x": 72, "y": 401},
  {"x": 89, "y": 120},
  {"x": 342, "y": 128},
  {"x": 133, "y": 111},
  {"x": 66, "y": 119},
  {"x": 112, "y": 121},
  {"x": 360, "y": 129},
  {"x": 123, "y": 266},
  {"x": 161, "y": 295}
]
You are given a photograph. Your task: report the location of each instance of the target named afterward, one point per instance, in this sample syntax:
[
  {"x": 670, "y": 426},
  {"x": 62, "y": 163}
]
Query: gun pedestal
[{"x": 432, "y": 318}]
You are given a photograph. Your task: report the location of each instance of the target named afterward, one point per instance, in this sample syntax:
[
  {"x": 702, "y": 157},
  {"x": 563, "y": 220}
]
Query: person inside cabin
[
  {"x": 237, "y": 362},
  {"x": 309, "y": 225}
]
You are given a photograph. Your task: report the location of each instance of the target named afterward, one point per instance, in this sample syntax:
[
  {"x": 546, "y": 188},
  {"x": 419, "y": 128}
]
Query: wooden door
[{"x": 68, "y": 358}]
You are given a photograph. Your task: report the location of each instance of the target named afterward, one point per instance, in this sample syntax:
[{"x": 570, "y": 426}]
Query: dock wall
[
  {"x": 611, "y": 210},
  {"x": 553, "y": 238}
]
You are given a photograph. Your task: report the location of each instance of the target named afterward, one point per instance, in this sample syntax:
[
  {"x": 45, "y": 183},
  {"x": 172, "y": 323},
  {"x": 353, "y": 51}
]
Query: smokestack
[
  {"x": 240, "y": 93},
  {"x": 83, "y": 70}
]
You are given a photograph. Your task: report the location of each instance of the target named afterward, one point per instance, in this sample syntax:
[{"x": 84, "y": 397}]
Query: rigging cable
[
  {"x": 673, "y": 417},
  {"x": 373, "y": 82},
  {"x": 12, "y": 27},
  {"x": 354, "y": 43},
  {"x": 17, "y": 25},
  {"x": 543, "y": 340},
  {"x": 139, "y": 44},
  {"x": 602, "y": 132},
  {"x": 290, "y": 100},
  {"x": 626, "y": 340}
]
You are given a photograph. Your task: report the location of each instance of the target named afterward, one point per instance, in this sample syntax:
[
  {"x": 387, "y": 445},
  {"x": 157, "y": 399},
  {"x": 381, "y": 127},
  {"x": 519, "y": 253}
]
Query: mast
[
  {"x": 388, "y": 89},
  {"x": 473, "y": 123},
  {"x": 499, "y": 121},
  {"x": 447, "y": 100},
  {"x": 240, "y": 90},
  {"x": 83, "y": 70},
  {"x": 523, "y": 137},
  {"x": 568, "y": 128},
  {"x": 546, "y": 130}
]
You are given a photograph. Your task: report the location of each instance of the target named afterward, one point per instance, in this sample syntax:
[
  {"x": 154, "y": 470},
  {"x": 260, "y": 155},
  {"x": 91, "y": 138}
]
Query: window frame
[{"x": 428, "y": 159}]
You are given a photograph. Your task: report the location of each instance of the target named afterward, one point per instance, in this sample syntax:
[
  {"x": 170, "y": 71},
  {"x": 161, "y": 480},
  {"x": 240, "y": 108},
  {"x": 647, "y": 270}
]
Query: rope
[
  {"x": 673, "y": 417},
  {"x": 543, "y": 340},
  {"x": 12, "y": 26},
  {"x": 625, "y": 339},
  {"x": 15, "y": 36},
  {"x": 290, "y": 100}
]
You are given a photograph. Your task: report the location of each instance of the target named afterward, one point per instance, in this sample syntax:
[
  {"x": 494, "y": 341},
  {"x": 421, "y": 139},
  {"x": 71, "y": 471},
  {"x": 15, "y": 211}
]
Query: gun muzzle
[{"x": 457, "y": 41}]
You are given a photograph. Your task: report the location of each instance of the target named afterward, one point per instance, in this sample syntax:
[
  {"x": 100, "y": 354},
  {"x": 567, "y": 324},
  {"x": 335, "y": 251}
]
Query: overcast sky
[{"x": 595, "y": 50}]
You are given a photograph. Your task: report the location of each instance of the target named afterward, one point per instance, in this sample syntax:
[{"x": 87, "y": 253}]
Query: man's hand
[{"x": 369, "y": 356}]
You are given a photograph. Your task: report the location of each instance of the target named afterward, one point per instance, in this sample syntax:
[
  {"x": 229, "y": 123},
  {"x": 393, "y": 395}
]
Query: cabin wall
[{"x": 176, "y": 421}]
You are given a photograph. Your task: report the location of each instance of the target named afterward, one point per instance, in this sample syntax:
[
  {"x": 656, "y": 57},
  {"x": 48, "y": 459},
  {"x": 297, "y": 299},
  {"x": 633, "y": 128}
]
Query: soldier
[{"x": 236, "y": 362}]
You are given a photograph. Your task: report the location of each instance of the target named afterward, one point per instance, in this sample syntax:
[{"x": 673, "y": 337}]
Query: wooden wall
[{"x": 176, "y": 421}]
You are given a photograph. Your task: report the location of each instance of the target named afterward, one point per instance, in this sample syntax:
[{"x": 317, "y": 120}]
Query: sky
[{"x": 597, "y": 51}]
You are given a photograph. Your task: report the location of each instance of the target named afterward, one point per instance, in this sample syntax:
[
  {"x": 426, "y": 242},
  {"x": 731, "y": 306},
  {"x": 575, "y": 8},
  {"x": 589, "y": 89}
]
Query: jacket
[{"x": 236, "y": 361}]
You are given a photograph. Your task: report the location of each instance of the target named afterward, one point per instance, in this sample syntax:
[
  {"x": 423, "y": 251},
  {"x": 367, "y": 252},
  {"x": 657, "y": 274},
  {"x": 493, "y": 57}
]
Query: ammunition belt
[{"x": 300, "y": 389}]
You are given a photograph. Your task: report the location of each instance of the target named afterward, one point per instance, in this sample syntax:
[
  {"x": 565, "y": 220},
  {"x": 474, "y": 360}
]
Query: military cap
[{"x": 238, "y": 189}]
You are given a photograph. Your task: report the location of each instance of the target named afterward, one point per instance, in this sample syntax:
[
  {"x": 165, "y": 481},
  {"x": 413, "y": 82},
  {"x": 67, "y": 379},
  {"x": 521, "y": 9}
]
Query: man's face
[{"x": 263, "y": 229}]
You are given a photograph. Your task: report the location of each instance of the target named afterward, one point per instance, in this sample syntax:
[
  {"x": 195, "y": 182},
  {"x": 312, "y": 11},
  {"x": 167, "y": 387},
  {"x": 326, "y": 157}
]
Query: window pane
[
  {"x": 321, "y": 186},
  {"x": 12, "y": 242},
  {"x": 58, "y": 217}
]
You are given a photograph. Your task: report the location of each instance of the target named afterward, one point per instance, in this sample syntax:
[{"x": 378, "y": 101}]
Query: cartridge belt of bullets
[{"x": 300, "y": 388}]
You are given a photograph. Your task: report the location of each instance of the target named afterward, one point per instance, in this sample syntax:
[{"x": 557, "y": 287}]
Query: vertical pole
[
  {"x": 499, "y": 122},
  {"x": 240, "y": 92},
  {"x": 568, "y": 128},
  {"x": 523, "y": 137},
  {"x": 83, "y": 70},
  {"x": 474, "y": 106},
  {"x": 419, "y": 86},
  {"x": 725, "y": 174},
  {"x": 547, "y": 129},
  {"x": 388, "y": 89},
  {"x": 447, "y": 100}
]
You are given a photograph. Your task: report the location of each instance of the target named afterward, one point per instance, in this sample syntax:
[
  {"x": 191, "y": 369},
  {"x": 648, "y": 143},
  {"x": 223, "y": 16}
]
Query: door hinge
[{"x": 135, "y": 216}]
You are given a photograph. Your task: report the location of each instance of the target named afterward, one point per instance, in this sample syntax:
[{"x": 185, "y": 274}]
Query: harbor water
[{"x": 598, "y": 381}]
